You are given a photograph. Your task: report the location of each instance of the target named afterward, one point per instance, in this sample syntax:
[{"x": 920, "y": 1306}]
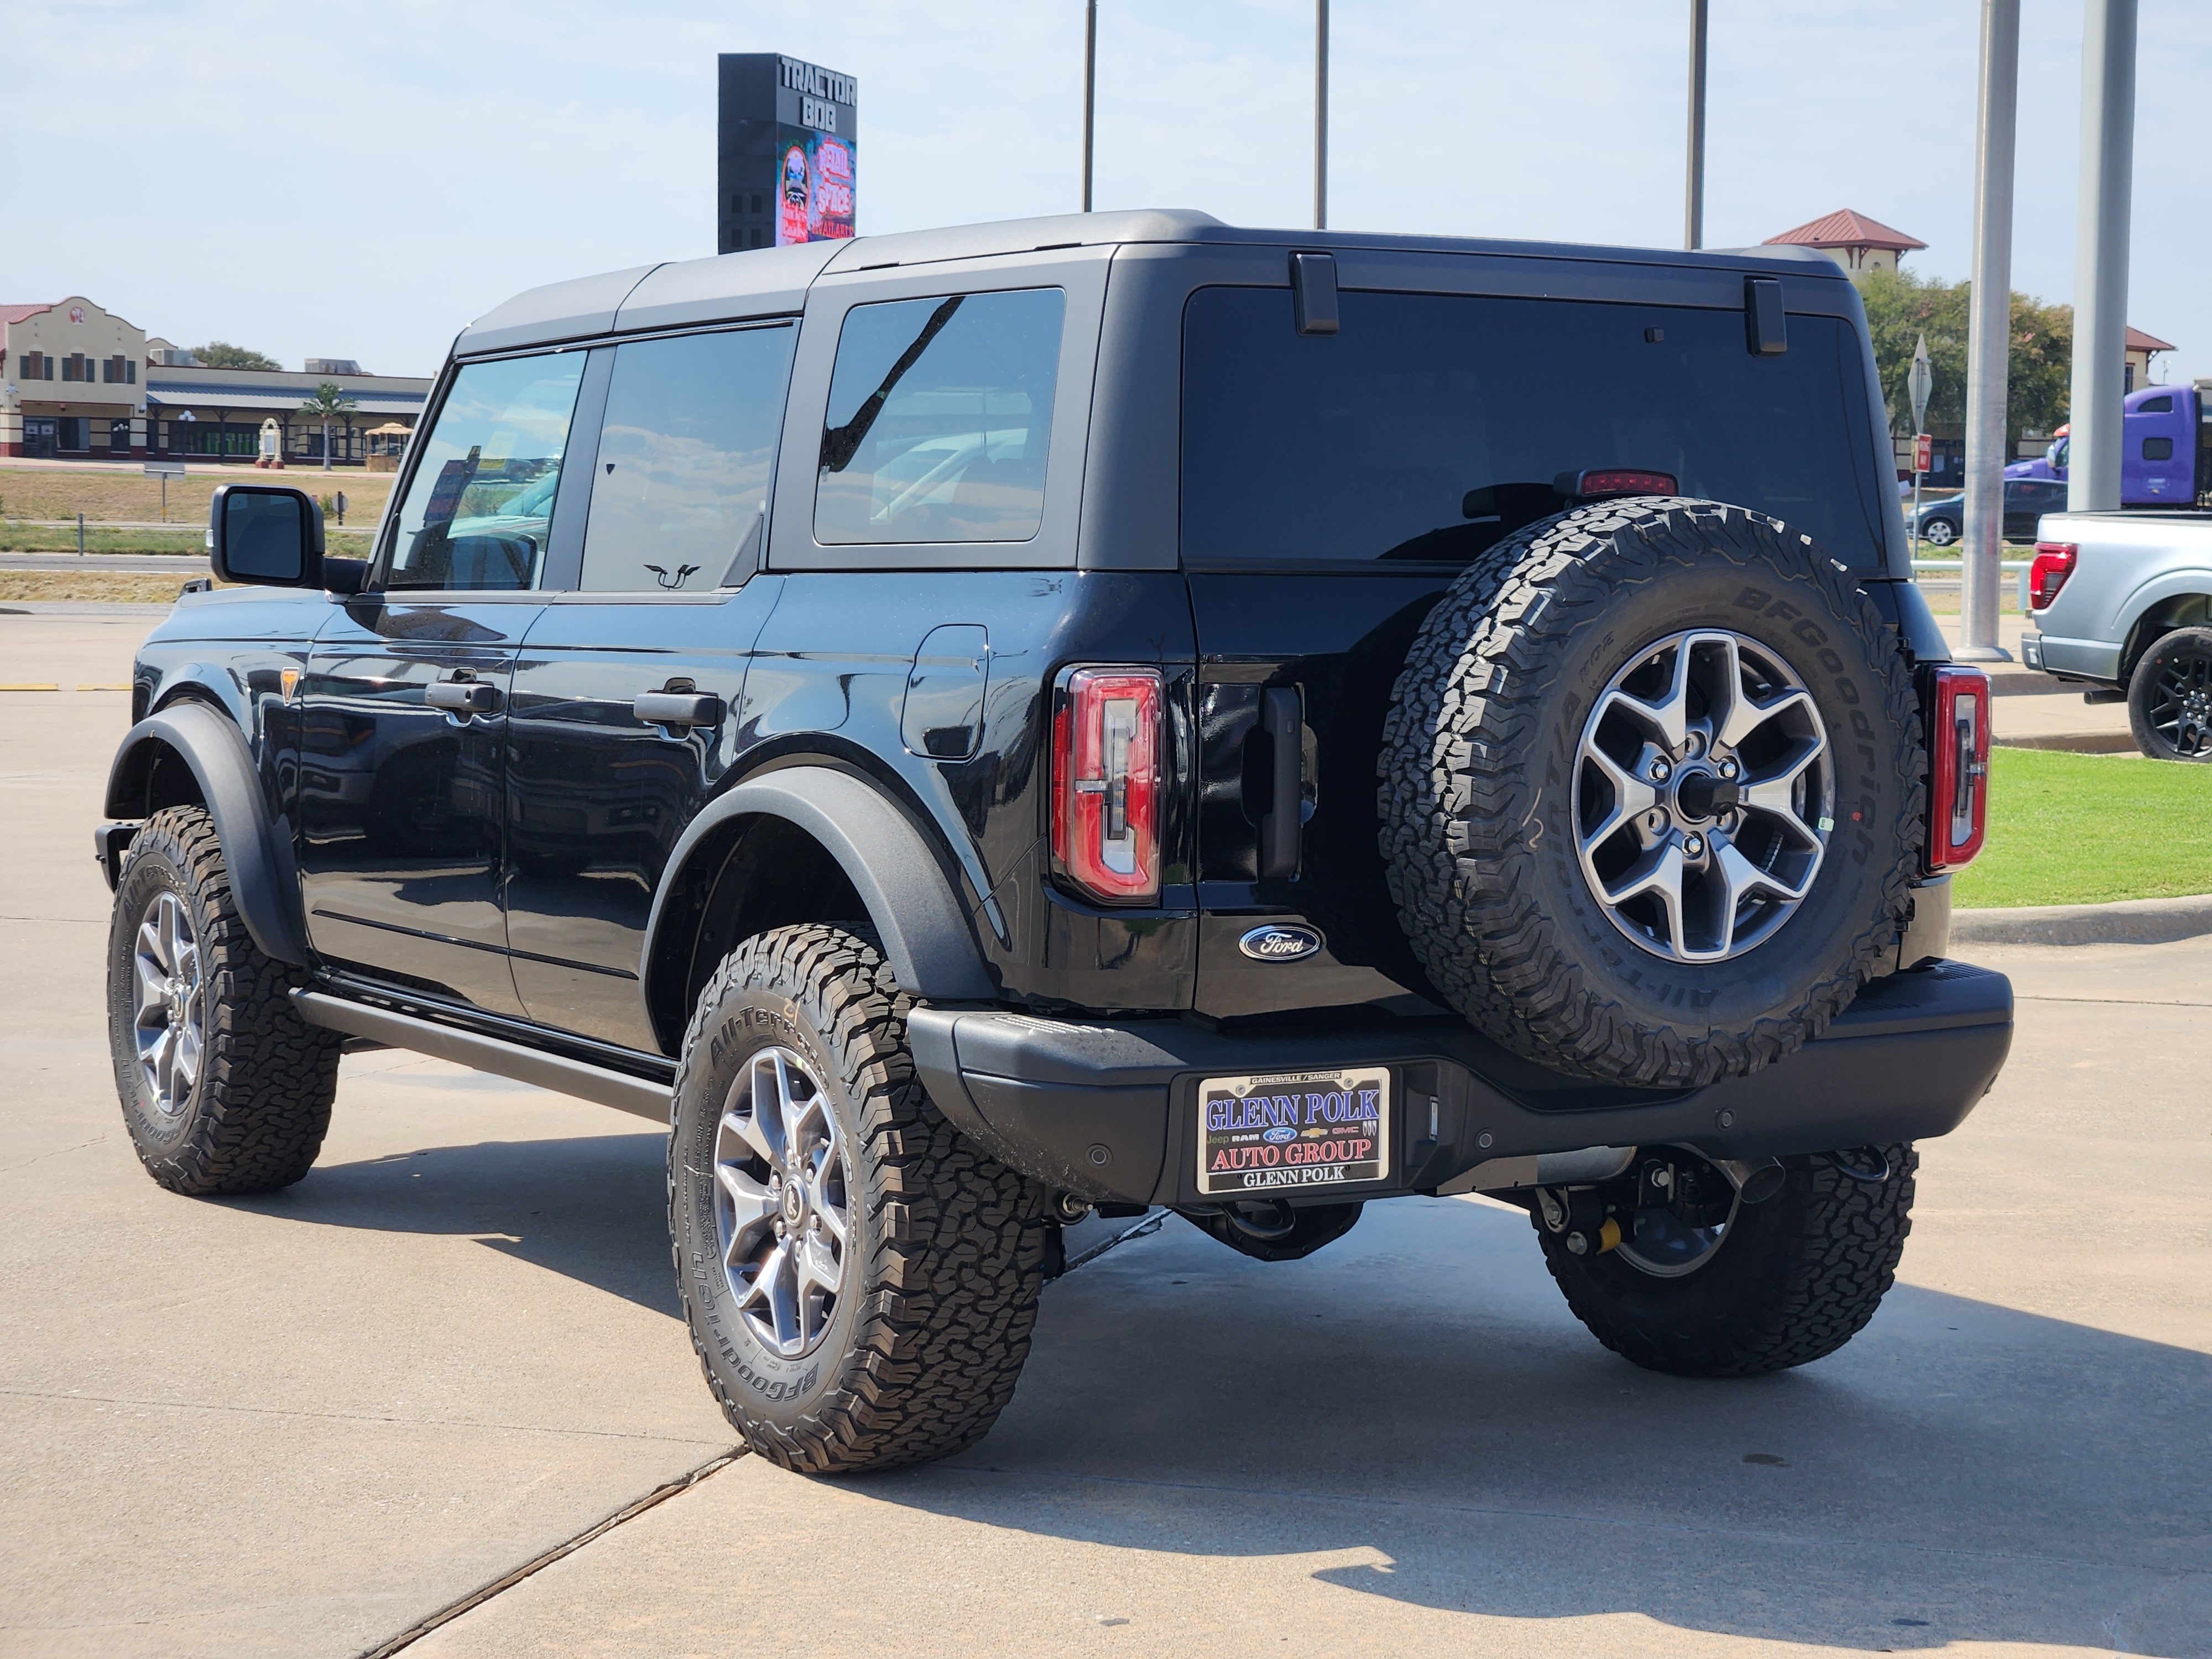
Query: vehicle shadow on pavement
[
  {"x": 592, "y": 1208},
  {"x": 1419, "y": 1393}
]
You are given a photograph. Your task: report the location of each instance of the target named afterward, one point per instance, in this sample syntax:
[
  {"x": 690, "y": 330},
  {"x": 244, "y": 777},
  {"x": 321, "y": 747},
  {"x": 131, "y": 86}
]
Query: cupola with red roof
[{"x": 1854, "y": 241}]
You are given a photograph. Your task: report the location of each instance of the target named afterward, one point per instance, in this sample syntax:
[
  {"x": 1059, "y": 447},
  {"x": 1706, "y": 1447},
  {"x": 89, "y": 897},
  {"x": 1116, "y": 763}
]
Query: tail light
[
  {"x": 1959, "y": 766},
  {"x": 2054, "y": 563},
  {"x": 1106, "y": 781},
  {"x": 1616, "y": 481}
]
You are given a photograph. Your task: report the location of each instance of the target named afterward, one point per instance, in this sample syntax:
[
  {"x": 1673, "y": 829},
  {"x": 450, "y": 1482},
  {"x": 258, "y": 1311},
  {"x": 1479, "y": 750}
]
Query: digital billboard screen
[
  {"x": 788, "y": 152},
  {"x": 815, "y": 199}
]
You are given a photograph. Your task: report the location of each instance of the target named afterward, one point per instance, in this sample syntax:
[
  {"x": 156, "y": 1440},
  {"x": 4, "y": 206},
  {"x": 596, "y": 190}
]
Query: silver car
[{"x": 2121, "y": 604}]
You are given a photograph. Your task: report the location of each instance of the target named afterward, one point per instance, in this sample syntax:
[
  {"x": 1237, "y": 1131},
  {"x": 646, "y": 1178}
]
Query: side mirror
[{"x": 268, "y": 535}]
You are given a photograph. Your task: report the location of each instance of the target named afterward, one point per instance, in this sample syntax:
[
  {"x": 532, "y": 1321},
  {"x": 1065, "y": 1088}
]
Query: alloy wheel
[
  {"x": 170, "y": 996},
  {"x": 1703, "y": 796},
  {"x": 2180, "y": 707},
  {"x": 782, "y": 1201}
]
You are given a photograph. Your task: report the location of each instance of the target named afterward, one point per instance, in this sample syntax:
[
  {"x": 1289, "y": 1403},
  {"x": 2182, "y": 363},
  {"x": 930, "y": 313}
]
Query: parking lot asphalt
[{"x": 305, "y": 1424}]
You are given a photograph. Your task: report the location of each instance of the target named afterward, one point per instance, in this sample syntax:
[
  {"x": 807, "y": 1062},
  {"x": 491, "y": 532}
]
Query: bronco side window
[
  {"x": 481, "y": 501},
  {"x": 940, "y": 419},
  {"x": 679, "y": 490}
]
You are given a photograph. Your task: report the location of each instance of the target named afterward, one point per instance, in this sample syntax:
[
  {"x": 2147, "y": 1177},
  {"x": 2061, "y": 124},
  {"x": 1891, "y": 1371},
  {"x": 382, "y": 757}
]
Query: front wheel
[
  {"x": 224, "y": 1088},
  {"x": 1735, "y": 1288},
  {"x": 860, "y": 1281},
  {"x": 1939, "y": 533},
  {"x": 2170, "y": 696}
]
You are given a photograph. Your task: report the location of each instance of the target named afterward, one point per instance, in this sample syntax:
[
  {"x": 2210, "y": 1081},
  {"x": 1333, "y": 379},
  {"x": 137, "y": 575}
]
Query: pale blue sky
[{"x": 361, "y": 181}]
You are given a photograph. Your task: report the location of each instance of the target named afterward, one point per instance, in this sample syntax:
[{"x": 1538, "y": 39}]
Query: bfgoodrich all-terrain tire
[
  {"x": 1652, "y": 791},
  {"x": 225, "y": 1089},
  {"x": 860, "y": 1280},
  {"x": 1791, "y": 1280}
]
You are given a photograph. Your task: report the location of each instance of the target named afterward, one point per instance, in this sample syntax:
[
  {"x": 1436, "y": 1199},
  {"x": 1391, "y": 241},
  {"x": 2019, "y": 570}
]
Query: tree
[
  {"x": 330, "y": 404},
  {"x": 221, "y": 353},
  {"x": 1900, "y": 307}
]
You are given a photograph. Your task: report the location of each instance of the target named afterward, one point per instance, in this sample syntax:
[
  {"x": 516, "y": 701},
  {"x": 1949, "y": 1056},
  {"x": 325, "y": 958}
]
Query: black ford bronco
[{"x": 980, "y": 727}]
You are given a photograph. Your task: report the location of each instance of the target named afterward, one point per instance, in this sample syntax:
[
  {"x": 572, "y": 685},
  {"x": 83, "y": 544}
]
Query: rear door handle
[
  {"x": 463, "y": 696},
  {"x": 678, "y": 708},
  {"x": 1282, "y": 718}
]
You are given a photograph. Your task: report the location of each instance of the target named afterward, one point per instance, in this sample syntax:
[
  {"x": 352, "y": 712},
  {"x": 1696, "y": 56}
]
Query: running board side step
[{"x": 487, "y": 1053}]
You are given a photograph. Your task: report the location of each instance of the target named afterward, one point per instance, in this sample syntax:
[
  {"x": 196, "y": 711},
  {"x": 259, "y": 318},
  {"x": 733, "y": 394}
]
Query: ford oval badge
[
  {"x": 1281, "y": 942},
  {"x": 1278, "y": 1134}
]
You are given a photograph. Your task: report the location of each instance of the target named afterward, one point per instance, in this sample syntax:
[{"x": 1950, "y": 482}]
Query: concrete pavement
[
  {"x": 1405, "y": 1444},
  {"x": 303, "y": 1423}
]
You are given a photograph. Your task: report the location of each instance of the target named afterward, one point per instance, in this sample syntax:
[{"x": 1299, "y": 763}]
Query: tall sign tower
[{"x": 786, "y": 142}]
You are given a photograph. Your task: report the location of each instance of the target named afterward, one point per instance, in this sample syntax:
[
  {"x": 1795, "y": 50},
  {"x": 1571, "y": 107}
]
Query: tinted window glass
[
  {"x": 2156, "y": 405},
  {"x": 482, "y": 496},
  {"x": 940, "y": 419},
  {"x": 679, "y": 491},
  {"x": 2158, "y": 449},
  {"x": 1372, "y": 442}
]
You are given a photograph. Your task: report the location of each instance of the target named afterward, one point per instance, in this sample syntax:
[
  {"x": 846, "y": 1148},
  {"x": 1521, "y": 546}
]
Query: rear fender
[
  {"x": 927, "y": 936},
  {"x": 2175, "y": 598}
]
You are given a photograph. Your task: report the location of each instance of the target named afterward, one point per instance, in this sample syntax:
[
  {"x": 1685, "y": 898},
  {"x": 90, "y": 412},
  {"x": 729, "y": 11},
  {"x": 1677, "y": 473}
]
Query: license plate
[{"x": 1276, "y": 1132}]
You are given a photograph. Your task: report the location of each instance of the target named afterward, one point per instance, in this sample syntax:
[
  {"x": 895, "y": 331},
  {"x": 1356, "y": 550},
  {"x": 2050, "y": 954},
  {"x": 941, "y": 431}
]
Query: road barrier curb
[{"x": 2129, "y": 921}]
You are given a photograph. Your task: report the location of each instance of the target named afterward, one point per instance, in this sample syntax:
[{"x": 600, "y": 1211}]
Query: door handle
[
  {"x": 463, "y": 696},
  {"x": 678, "y": 708},
  {"x": 1282, "y": 718}
]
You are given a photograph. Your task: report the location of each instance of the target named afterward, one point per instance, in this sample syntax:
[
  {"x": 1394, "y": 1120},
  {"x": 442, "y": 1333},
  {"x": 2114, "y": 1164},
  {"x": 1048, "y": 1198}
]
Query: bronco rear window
[{"x": 1391, "y": 438}]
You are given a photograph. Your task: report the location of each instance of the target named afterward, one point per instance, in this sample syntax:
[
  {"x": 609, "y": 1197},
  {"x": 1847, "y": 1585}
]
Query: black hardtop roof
[{"x": 770, "y": 282}]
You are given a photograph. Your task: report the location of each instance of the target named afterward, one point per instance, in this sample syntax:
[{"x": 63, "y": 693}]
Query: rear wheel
[
  {"x": 860, "y": 1280},
  {"x": 1719, "y": 1284},
  {"x": 224, "y": 1088},
  {"x": 2170, "y": 696}
]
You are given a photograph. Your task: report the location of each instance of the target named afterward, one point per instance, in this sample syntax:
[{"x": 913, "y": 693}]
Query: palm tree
[{"x": 330, "y": 402}]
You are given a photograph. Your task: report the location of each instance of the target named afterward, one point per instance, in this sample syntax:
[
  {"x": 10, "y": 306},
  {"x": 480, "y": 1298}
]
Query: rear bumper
[
  {"x": 2088, "y": 660},
  {"x": 1108, "y": 1110}
]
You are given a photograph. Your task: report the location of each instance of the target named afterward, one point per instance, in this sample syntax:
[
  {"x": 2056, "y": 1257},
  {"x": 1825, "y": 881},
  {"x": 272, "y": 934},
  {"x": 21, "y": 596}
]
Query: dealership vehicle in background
[
  {"x": 2165, "y": 454},
  {"x": 983, "y": 727},
  {"x": 2025, "y": 500},
  {"x": 2121, "y": 604}
]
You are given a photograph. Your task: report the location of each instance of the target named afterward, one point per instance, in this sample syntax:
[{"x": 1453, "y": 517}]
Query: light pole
[
  {"x": 1693, "y": 194},
  {"x": 1989, "y": 336},
  {"x": 1090, "y": 91},
  {"x": 1921, "y": 382},
  {"x": 2100, "y": 262},
  {"x": 1320, "y": 114}
]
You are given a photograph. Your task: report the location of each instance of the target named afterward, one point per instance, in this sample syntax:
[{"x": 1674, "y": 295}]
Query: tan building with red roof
[
  {"x": 70, "y": 370},
  {"x": 79, "y": 383},
  {"x": 2142, "y": 348},
  {"x": 1854, "y": 241}
]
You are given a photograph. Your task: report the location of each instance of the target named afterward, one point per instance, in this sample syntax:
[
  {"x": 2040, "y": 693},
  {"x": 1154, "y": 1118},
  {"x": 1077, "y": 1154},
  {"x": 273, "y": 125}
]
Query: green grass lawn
[
  {"x": 2089, "y": 829},
  {"x": 17, "y": 538}
]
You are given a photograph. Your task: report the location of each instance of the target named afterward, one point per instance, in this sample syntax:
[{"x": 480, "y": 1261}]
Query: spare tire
[{"x": 1652, "y": 791}]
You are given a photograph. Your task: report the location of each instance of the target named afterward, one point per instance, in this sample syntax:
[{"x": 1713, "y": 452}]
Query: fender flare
[
  {"x": 927, "y": 938},
  {"x": 2190, "y": 583},
  {"x": 263, "y": 876}
]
